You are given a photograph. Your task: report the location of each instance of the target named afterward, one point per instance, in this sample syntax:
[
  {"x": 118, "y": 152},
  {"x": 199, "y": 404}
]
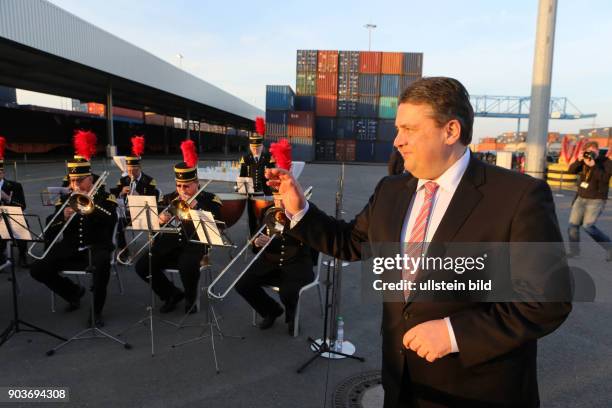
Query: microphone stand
[{"x": 322, "y": 346}]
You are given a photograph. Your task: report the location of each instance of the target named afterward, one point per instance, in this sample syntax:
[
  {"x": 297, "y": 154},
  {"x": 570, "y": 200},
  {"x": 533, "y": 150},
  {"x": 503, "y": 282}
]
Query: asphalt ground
[{"x": 575, "y": 362}]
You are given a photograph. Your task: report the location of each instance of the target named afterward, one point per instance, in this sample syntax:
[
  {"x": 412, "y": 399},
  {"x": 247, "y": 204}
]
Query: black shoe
[
  {"x": 75, "y": 303},
  {"x": 172, "y": 301},
  {"x": 98, "y": 321},
  {"x": 268, "y": 321}
]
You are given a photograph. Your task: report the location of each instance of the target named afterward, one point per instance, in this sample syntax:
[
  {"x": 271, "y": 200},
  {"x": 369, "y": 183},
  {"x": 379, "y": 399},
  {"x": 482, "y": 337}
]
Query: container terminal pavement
[{"x": 259, "y": 371}]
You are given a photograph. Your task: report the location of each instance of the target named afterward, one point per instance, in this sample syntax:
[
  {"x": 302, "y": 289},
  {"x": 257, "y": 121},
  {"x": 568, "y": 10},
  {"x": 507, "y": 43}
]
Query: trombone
[
  {"x": 274, "y": 221},
  {"x": 81, "y": 203},
  {"x": 178, "y": 208}
]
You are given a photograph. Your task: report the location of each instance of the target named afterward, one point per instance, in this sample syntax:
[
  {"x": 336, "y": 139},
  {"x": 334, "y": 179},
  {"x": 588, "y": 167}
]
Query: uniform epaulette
[
  {"x": 272, "y": 160},
  {"x": 58, "y": 202},
  {"x": 217, "y": 200},
  {"x": 153, "y": 183},
  {"x": 241, "y": 160},
  {"x": 112, "y": 198}
]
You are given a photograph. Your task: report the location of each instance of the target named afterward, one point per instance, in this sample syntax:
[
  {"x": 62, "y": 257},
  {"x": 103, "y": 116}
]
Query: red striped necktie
[{"x": 414, "y": 246}]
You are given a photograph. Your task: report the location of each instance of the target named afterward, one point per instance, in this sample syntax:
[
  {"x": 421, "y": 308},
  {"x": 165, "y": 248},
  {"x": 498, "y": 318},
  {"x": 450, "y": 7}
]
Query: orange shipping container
[
  {"x": 391, "y": 63},
  {"x": 326, "y": 105},
  {"x": 301, "y": 124},
  {"x": 369, "y": 62},
  {"x": 327, "y": 83},
  {"x": 328, "y": 61},
  {"x": 95, "y": 108}
]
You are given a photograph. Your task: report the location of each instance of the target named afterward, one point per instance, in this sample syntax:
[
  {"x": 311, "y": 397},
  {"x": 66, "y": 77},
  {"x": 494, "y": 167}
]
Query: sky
[{"x": 241, "y": 46}]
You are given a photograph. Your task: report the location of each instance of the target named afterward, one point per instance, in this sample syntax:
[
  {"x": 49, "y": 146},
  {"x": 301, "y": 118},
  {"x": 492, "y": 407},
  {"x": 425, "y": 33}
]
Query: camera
[{"x": 589, "y": 156}]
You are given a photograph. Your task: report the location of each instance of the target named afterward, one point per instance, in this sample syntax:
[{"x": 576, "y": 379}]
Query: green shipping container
[
  {"x": 387, "y": 107},
  {"x": 306, "y": 83}
]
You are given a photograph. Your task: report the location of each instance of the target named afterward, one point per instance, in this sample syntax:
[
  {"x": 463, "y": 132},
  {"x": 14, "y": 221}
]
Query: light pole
[
  {"x": 180, "y": 58},
  {"x": 370, "y": 27}
]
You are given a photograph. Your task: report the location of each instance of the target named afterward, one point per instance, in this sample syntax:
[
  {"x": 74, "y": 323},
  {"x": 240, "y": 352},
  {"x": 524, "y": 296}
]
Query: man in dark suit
[
  {"x": 447, "y": 354},
  {"x": 253, "y": 165},
  {"x": 11, "y": 193},
  {"x": 134, "y": 183}
]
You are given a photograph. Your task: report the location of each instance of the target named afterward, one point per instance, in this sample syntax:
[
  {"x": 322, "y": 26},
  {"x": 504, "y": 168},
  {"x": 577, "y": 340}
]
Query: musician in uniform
[
  {"x": 11, "y": 193},
  {"x": 287, "y": 264},
  {"x": 86, "y": 232},
  {"x": 174, "y": 249},
  {"x": 134, "y": 183},
  {"x": 253, "y": 165}
]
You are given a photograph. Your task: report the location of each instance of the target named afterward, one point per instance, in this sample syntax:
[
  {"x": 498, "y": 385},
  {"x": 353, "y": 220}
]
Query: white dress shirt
[{"x": 447, "y": 182}]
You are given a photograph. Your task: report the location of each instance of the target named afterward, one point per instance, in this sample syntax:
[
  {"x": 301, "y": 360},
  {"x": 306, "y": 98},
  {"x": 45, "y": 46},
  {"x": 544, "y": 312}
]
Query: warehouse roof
[{"x": 46, "y": 49}]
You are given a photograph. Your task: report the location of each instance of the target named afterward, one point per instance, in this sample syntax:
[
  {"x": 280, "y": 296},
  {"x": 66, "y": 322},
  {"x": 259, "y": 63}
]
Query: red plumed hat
[
  {"x": 138, "y": 145},
  {"x": 281, "y": 151},
  {"x": 85, "y": 142},
  {"x": 2, "y": 147}
]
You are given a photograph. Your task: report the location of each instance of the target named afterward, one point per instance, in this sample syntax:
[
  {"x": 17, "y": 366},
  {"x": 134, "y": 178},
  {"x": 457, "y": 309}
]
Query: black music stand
[
  {"x": 14, "y": 326},
  {"x": 210, "y": 317},
  {"x": 151, "y": 234}
]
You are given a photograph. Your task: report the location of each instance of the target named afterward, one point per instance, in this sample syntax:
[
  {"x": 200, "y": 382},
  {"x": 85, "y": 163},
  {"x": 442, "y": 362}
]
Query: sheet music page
[
  {"x": 245, "y": 184},
  {"x": 136, "y": 205},
  {"x": 204, "y": 220},
  {"x": 17, "y": 222}
]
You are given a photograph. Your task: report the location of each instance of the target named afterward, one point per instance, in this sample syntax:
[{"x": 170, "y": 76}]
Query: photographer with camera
[{"x": 593, "y": 179}]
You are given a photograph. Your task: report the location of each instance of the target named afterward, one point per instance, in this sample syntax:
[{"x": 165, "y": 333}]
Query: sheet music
[
  {"x": 245, "y": 185},
  {"x": 17, "y": 223},
  {"x": 121, "y": 163},
  {"x": 204, "y": 220},
  {"x": 138, "y": 214}
]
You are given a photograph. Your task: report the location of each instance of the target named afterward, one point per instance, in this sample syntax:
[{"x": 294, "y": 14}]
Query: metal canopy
[{"x": 46, "y": 49}]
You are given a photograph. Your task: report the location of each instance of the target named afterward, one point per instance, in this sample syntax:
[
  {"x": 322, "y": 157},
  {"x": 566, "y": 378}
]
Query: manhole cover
[{"x": 362, "y": 390}]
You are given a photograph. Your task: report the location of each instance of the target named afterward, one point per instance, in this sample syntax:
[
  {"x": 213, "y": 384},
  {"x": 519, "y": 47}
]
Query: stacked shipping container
[{"x": 346, "y": 102}]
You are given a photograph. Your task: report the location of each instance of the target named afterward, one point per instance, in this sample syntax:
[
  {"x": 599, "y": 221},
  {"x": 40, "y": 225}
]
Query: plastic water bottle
[{"x": 340, "y": 335}]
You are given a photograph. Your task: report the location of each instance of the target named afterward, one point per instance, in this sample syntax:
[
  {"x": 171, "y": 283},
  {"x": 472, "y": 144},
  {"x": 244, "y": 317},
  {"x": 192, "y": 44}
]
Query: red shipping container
[
  {"x": 327, "y": 83},
  {"x": 391, "y": 63},
  {"x": 326, "y": 105},
  {"x": 328, "y": 61},
  {"x": 345, "y": 150},
  {"x": 369, "y": 62},
  {"x": 301, "y": 124}
]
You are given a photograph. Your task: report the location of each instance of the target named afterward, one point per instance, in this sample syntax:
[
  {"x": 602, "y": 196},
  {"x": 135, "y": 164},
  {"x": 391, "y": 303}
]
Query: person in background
[
  {"x": 11, "y": 193},
  {"x": 594, "y": 174},
  {"x": 396, "y": 163}
]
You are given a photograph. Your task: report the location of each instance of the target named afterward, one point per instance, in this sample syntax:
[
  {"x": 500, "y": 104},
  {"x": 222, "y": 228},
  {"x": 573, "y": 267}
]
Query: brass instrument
[
  {"x": 274, "y": 224},
  {"x": 179, "y": 209},
  {"x": 81, "y": 203}
]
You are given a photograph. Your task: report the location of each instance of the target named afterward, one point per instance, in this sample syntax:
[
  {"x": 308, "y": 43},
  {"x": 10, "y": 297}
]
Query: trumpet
[
  {"x": 274, "y": 222},
  {"x": 81, "y": 203},
  {"x": 178, "y": 208}
]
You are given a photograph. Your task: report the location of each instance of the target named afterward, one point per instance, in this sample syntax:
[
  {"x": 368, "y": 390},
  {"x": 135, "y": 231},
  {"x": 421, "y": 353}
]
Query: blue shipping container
[
  {"x": 279, "y": 97},
  {"x": 368, "y": 107},
  {"x": 307, "y": 60},
  {"x": 407, "y": 80},
  {"x": 382, "y": 151},
  {"x": 305, "y": 103},
  {"x": 369, "y": 84},
  {"x": 348, "y": 61},
  {"x": 386, "y": 130},
  {"x": 389, "y": 85},
  {"x": 276, "y": 123},
  {"x": 413, "y": 63},
  {"x": 366, "y": 129},
  {"x": 346, "y": 129},
  {"x": 364, "y": 151},
  {"x": 325, "y": 150},
  {"x": 348, "y": 84},
  {"x": 325, "y": 128},
  {"x": 347, "y": 107}
]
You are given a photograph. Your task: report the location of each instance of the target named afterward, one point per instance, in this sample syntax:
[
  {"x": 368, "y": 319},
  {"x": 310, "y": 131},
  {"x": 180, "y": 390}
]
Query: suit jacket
[
  {"x": 146, "y": 186},
  {"x": 496, "y": 363},
  {"x": 17, "y": 198},
  {"x": 250, "y": 168}
]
